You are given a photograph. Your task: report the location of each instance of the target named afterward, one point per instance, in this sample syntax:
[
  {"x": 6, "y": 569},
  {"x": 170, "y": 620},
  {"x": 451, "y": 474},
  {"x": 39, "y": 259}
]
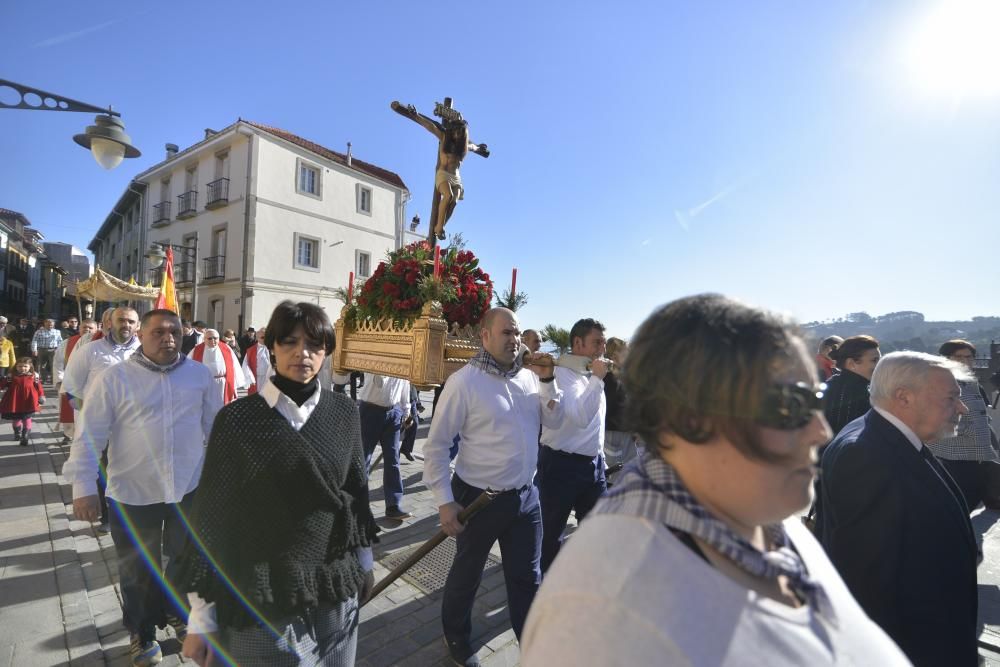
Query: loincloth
[{"x": 452, "y": 180}]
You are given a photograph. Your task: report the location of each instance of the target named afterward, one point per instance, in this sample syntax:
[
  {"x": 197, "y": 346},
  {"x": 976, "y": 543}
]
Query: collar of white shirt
[
  {"x": 903, "y": 428},
  {"x": 297, "y": 415}
]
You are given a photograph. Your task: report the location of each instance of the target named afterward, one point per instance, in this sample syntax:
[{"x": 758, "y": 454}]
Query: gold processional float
[{"x": 421, "y": 348}]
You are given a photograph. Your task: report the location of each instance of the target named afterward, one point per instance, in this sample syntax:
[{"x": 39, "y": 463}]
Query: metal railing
[
  {"x": 187, "y": 204},
  {"x": 218, "y": 193},
  {"x": 184, "y": 273},
  {"x": 215, "y": 267},
  {"x": 161, "y": 212}
]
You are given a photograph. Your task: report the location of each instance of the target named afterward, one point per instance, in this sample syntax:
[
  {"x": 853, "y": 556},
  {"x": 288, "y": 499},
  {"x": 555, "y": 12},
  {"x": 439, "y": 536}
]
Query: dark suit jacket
[{"x": 897, "y": 530}]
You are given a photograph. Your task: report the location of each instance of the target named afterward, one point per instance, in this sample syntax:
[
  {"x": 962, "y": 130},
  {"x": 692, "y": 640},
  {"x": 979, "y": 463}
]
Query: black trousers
[
  {"x": 513, "y": 518},
  {"x": 566, "y": 483}
]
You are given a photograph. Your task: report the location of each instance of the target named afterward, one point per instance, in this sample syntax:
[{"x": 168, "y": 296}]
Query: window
[
  {"x": 364, "y": 199},
  {"x": 308, "y": 180},
  {"x": 363, "y": 264},
  {"x": 306, "y": 252}
]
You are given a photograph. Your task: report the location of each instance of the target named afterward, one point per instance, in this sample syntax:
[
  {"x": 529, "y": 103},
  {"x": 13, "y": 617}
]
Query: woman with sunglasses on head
[
  {"x": 281, "y": 554},
  {"x": 696, "y": 557},
  {"x": 847, "y": 391}
]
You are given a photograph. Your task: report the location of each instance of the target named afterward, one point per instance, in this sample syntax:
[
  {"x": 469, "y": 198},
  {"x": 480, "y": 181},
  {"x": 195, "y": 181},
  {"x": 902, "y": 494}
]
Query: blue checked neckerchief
[
  {"x": 485, "y": 362},
  {"x": 650, "y": 488}
]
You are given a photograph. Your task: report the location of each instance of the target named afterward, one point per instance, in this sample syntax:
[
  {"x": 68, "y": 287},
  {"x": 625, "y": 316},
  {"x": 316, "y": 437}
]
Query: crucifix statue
[{"x": 453, "y": 145}]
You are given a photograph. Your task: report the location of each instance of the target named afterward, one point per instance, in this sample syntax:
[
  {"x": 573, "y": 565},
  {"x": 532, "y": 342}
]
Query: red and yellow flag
[{"x": 168, "y": 292}]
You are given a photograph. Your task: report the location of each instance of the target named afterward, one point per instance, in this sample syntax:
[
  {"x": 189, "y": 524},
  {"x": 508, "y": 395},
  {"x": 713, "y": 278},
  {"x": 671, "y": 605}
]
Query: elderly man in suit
[{"x": 893, "y": 520}]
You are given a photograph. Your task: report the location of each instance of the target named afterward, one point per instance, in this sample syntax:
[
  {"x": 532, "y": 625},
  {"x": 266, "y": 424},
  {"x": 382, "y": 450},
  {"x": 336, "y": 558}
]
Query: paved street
[
  {"x": 61, "y": 604},
  {"x": 58, "y": 582}
]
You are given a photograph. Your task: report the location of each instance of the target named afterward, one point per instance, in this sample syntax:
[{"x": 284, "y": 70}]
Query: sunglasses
[{"x": 789, "y": 407}]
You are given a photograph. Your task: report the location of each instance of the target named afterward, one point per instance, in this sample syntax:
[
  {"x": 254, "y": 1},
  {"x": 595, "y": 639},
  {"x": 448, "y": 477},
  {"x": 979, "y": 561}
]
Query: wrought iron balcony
[
  {"x": 187, "y": 205},
  {"x": 161, "y": 214},
  {"x": 218, "y": 193},
  {"x": 215, "y": 268},
  {"x": 183, "y": 273}
]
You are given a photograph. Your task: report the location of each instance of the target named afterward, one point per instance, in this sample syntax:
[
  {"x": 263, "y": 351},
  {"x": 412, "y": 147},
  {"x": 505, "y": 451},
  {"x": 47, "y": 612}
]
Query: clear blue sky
[{"x": 803, "y": 156}]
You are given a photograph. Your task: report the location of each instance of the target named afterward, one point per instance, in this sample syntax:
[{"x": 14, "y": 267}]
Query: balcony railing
[
  {"x": 184, "y": 273},
  {"x": 187, "y": 205},
  {"x": 218, "y": 193},
  {"x": 161, "y": 213},
  {"x": 215, "y": 268},
  {"x": 156, "y": 277}
]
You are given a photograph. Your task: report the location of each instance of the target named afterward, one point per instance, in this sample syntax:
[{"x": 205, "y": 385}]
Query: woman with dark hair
[
  {"x": 282, "y": 529},
  {"x": 847, "y": 391},
  {"x": 695, "y": 556}
]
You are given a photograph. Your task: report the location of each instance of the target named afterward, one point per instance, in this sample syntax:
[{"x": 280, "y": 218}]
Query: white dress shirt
[
  {"x": 202, "y": 619},
  {"x": 498, "y": 420},
  {"x": 155, "y": 426},
  {"x": 584, "y": 407},
  {"x": 89, "y": 360},
  {"x": 903, "y": 428},
  {"x": 386, "y": 392}
]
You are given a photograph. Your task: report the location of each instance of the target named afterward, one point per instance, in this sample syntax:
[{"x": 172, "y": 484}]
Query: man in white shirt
[
  {"x": 384, "y": 403},
  {"x": 117, "y": 344},
  {"x": 571, "y": 458},
  {"x": 496, "y": 406},
  {"x": 257, "y": 364},
  {"x": 155, "y": 412}
]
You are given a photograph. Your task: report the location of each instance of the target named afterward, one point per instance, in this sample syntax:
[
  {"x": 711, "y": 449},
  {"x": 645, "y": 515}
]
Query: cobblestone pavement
[{"x": 60, "y": 603}]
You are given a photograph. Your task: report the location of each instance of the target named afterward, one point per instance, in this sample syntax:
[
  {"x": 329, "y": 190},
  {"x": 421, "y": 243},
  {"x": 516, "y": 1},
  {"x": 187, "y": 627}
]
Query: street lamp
[
  {"x": 106, "y": 138},
  {"x": 157, "y": 255}
]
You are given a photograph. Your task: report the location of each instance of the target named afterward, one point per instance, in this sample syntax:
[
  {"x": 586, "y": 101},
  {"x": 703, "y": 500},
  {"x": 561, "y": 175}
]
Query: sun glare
[{"x": 954, "y": 49}]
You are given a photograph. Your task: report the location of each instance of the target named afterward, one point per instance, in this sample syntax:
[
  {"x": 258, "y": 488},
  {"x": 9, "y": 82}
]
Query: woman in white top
[{"x": 696, "y": 557}]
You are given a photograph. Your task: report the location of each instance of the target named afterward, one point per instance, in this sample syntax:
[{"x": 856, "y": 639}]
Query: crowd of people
[{"x": 255, "y": 512}]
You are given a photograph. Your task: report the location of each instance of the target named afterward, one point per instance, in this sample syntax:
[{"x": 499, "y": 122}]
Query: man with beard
[
  {"x": 892, "y": 519},
  {"x": 117, "y": 345}
]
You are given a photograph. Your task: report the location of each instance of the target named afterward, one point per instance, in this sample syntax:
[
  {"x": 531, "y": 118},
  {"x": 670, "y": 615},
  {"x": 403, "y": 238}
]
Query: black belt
[
  {"x": 505, "y": 492},
  {"x": 582, "y": 457}
]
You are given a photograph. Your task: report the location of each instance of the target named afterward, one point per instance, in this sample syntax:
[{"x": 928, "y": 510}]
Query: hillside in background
[{"x": 907, "y": 330}]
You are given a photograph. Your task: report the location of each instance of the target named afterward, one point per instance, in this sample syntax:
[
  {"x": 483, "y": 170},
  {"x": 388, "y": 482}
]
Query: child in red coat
[{"x": 23, "y": 396}]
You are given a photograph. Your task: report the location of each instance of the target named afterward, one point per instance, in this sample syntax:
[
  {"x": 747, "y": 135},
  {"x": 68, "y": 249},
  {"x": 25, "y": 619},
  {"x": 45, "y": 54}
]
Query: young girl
[{"x": 24, "y": 395}]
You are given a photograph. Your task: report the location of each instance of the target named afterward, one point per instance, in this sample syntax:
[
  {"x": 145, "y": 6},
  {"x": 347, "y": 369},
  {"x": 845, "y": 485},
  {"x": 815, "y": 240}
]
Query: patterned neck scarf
[
  {"x": 150, "y": 365},
  {"x": 650, "y": 488},
  {"x": 115, "y": 345},
  {"x": 484, "y": 361}
]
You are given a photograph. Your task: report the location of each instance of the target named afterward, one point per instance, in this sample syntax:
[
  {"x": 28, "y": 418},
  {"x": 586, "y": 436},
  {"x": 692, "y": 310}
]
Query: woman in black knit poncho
[{"x": 282, "y": 529}]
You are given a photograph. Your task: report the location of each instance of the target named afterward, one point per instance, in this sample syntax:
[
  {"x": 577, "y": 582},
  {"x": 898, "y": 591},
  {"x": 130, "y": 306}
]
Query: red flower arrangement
[{"x": 401, "y": 285}]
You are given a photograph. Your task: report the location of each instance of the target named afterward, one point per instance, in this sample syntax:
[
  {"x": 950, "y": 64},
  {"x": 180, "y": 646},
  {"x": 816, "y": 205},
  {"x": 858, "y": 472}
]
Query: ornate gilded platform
[{"x": 423, "y": 352}]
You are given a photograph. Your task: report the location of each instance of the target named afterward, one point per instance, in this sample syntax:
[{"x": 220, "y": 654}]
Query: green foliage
[
  {"x": 511, "y": 301},
  {"x": 557, "y": 337}
]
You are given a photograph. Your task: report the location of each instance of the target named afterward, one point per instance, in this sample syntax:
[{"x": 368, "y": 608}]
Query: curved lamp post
[{"x": 106, "y": 138}]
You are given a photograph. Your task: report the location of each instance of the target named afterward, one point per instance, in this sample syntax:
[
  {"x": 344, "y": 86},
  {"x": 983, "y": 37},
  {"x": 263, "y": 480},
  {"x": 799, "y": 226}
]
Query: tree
[{"x": 557, "y": 337}]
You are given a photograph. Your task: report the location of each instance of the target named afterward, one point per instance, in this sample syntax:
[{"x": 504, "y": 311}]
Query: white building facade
[{"x": 264, "y": 215}]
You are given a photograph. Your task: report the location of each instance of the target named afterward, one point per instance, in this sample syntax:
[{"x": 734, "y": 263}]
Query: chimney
[
  {"x": 209, "y": 132},
  {"x": 348, "y": 153},
  {"x": 171, "y": 150}
]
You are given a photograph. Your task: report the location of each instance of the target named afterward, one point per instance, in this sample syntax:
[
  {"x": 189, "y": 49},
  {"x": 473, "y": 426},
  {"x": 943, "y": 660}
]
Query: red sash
[
  {"x": 251, "y": 354},
  {"x": 65, "y": 409},
  {"x": 98, "y": 335},
  {"x": 198, "y": 353}
]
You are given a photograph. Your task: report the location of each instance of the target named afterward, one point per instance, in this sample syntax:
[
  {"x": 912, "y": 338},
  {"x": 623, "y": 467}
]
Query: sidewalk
[{"x": 59, "y": 602}]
